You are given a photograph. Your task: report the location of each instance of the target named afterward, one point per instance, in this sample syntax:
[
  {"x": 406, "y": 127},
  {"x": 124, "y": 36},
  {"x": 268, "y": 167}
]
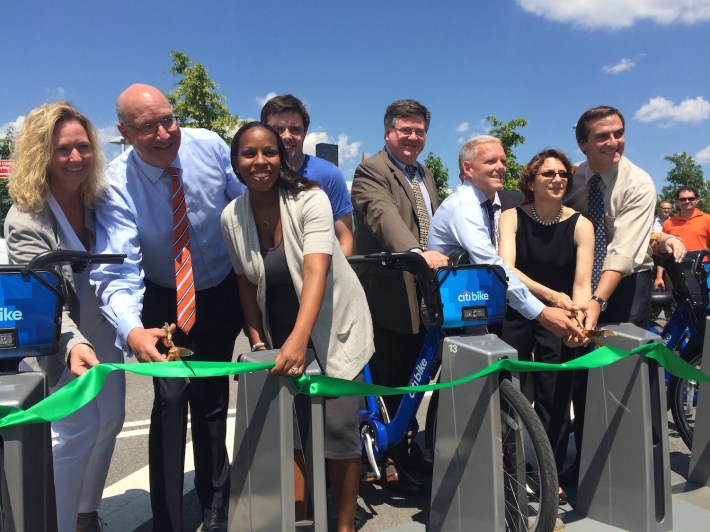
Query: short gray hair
[{"x": 468, "y": 150}]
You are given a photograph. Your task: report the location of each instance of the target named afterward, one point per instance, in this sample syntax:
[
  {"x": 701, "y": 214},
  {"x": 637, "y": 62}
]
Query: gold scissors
[
  {"x": 174, "y": 352},
  {"x": 595, "y": 335}
]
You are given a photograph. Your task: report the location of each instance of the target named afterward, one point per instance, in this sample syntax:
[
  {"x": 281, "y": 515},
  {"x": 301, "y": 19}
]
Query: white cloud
[
  {"x": 347, "y": 150},
  {"x": 703, "y": 156},
  {"x": 463, "y": 127},
  {"x": 313, "y": 138},
  {"x": 616, "y": 14},
  {"x": 107, "y": 133},
  {"x": 689, "y": 110},
  {"x": 16, "y": 124},
  {"x": 262, "y": 101},
  {"x": 622, "y": 66}
]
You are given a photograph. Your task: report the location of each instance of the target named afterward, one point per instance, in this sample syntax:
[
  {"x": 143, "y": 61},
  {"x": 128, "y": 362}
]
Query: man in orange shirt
[{"x": 691, "y": 224}]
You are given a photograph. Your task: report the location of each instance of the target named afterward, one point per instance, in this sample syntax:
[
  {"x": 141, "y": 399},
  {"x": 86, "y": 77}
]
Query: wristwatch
[{"x": 602, "y": 303}]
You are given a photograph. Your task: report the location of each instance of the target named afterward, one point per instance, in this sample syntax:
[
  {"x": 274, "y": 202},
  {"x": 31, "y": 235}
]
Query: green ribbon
[{"x": 80, "y": 391}]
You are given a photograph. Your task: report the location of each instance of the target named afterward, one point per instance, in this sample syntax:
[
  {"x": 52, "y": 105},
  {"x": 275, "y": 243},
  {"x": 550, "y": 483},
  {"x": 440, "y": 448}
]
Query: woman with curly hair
[
  {"x": 56, "y": 179},
  {"x": 551, "y": 248}
]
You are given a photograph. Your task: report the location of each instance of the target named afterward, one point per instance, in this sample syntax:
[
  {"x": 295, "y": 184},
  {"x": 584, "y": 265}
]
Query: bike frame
[{"x": 388, "y": 433}]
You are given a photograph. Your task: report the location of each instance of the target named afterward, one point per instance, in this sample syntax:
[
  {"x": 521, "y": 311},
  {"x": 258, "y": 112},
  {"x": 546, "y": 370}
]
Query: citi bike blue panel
[
  {"x": 472, "y": 295},
  {"x": 29, "y": 314}
]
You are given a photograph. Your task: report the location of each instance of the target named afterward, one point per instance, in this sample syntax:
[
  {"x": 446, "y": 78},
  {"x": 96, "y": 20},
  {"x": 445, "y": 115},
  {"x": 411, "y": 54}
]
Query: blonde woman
[{"x": 57, "y": 176}]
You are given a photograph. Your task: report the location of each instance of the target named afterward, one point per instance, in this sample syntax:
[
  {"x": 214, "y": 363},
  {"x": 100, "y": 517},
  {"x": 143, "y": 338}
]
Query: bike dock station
[
  {"x": 699, "y": 471},
  {"x": 625, "y": 478},
  {"x": 262, "y": 481},
  {"x": 467, "y": 484},
  {"x": 26, "y": 479}
]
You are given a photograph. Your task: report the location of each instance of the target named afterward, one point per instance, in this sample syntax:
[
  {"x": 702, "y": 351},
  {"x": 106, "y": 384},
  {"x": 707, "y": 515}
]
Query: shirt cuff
[{"x": 125, "y": 326}]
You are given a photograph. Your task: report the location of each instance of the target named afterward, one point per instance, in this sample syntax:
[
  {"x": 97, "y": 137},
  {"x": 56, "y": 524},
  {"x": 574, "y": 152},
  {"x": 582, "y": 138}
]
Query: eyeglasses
[
  {"x": 564, "y": 174},
  {"x": 151, "y": 128},
  {"x": 407, "y": 131},
  {"x": 687, "y": 199}
]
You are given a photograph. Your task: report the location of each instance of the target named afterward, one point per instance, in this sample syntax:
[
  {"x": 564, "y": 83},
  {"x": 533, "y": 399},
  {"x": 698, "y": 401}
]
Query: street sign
[{"x": 4, "y": 168}]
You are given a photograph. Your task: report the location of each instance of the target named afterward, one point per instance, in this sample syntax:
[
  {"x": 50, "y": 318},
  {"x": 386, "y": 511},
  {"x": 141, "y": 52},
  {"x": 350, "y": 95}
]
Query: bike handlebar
[
  {"x": 414, "y": 263},
  {"x": 78, "y": 259}
]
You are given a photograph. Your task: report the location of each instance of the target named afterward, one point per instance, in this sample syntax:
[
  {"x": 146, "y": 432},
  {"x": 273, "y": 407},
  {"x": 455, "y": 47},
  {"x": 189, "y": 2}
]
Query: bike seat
[{"x": 661, "y": 298}]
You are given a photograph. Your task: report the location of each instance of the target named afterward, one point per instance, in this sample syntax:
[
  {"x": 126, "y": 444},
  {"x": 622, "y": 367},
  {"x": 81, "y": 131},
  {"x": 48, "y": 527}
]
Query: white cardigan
[{"x": 342, "y": 335}]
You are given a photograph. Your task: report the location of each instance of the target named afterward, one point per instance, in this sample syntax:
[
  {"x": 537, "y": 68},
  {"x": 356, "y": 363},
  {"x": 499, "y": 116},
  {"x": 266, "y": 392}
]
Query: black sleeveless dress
[{"x": 547, "y": 254}]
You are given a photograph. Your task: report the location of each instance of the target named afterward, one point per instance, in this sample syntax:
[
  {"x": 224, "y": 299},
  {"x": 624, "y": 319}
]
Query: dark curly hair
[{"x": 527, "y": 175}]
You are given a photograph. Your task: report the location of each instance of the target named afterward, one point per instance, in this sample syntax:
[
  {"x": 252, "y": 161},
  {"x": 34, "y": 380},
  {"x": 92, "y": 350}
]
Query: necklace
[
  {"x": 537, "y": 218},
  {"x": 265, "y": 219}
]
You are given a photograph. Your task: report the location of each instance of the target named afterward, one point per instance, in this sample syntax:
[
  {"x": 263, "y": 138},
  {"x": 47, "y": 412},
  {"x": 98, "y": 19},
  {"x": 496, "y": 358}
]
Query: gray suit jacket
[
  {"x": 385, "y": 219},
  {"x": 29, "y": 234}
]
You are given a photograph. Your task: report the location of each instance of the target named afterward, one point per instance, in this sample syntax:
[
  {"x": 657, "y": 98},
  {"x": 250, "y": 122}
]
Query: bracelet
[{"x": 258, "y": 346}]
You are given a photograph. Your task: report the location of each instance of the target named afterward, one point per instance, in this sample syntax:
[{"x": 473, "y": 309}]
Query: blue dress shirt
[
  {"x": 136, "y": 218},
  {"x": 460, "y": 224}
]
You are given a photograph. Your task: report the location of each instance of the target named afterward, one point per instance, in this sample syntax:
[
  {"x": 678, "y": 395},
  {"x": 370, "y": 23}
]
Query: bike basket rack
[
  {"x": 472, "y": 294},
  {"x": 30, "y": 312}
]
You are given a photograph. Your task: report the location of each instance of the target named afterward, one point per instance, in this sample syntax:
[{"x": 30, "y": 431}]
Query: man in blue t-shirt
[{"x": 288, "y": 116}]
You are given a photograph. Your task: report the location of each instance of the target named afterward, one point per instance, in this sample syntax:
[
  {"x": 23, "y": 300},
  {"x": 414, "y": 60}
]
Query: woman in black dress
[{"x": 551, "y": 248}]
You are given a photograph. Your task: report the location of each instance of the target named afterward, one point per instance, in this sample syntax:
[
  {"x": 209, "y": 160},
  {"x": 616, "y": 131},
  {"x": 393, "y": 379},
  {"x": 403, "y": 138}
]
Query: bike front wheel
[
  {"x": 529, "y": 471},
  {"x": 683, "y": 400}
]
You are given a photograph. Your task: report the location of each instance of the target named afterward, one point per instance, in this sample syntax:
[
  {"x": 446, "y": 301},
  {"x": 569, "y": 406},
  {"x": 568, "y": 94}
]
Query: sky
[{"x": 543, "y": 60}]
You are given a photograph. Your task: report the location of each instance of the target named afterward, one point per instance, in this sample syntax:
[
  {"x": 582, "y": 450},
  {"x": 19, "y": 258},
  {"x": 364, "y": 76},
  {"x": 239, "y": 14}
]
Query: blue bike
[
  {"x": 528, "y": 461},
  {"x": 686, "y": 310}
]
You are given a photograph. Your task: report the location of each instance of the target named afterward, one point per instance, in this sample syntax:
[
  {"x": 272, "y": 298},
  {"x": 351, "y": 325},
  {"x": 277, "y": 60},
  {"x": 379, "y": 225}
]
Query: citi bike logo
[
  {"x": 416, "y": 379},
  {"x": 467, "y": 296},
  {"x": 10, "y": 315}
]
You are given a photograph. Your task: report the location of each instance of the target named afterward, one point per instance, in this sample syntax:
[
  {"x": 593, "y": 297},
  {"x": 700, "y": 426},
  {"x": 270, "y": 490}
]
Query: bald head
[
  {"x": 143, "y": 105},
  {"x": 138, "y": 96}
]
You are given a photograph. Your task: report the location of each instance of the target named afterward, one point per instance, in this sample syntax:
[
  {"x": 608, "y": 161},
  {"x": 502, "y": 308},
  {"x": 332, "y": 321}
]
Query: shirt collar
[
  {"x": 400, "y": 164},
  {"x": 607, "y": 177},
  {"x": 153, "y": 173},
  {"x": 480, "y": 196}
]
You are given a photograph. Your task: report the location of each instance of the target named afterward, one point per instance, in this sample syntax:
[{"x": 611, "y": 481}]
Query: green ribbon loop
[{"x": 80, "y": 391}]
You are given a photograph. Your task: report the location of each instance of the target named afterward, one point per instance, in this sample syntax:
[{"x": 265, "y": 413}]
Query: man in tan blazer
[{"x": 387, "y": 218}]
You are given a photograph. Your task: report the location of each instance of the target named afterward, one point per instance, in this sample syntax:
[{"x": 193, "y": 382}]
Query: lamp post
[{"x": 120, "y": 141}]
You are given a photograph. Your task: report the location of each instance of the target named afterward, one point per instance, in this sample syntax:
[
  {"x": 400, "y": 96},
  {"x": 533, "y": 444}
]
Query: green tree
[
  {"x": 509, "y": 138},
  {"x": 7, "y": 144},
  {"x": 440, "y": 173},
  {"x": 196, "y": 100},
  {"x": 685, "y": 172}
]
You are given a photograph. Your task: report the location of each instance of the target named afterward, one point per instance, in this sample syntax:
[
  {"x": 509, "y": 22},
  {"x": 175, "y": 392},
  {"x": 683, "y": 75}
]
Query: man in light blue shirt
[
  {"x": 138, "y": 296},
  {"x": 462, "y": 223}
]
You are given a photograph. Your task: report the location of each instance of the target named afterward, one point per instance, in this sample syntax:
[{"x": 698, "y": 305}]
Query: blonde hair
[{"x": 27, "y": 184}]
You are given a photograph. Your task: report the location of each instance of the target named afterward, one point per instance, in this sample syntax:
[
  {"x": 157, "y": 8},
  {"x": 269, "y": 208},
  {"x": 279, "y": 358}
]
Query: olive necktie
[{"x": 422, "y": 214}]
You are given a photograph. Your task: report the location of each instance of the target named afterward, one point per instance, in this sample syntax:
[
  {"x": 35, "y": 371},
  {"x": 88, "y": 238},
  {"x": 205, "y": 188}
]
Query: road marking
[{"x": 125, "y": 505}]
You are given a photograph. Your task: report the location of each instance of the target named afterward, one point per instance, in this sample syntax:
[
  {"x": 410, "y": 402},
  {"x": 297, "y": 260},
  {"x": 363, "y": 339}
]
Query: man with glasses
[
  {"x": 691, "y": 224},
  {"x": 289, "y": 117},
  {"x": 664, "y": 212},
  {"x": 394, "y": 198},
  {"x": 146, "y": 188}
]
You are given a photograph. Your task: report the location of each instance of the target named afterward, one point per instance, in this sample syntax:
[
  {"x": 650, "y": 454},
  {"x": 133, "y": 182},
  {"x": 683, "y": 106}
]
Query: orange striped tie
[{"x": 184, "y": 281}]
